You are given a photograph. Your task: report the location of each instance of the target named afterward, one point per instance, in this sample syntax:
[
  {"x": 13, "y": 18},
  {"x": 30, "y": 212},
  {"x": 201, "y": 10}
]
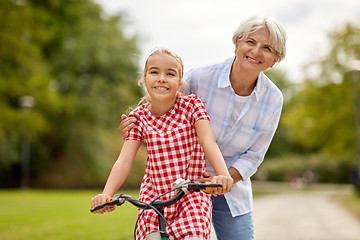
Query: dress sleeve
[
  {"x": 198, "y": 110},
  {"x": 135, "y": 133}
]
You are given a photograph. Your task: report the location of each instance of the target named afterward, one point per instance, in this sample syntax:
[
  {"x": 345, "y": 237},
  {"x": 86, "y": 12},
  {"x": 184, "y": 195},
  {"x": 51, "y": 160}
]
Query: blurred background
[{"x": 69, "y": 69}]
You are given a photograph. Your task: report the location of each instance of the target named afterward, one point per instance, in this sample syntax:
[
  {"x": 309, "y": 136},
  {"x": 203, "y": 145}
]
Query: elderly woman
[{"x": 244, "y": 106}]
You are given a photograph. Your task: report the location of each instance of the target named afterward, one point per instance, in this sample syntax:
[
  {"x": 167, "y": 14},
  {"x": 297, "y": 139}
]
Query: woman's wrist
[{"x": 234, "y": 173}]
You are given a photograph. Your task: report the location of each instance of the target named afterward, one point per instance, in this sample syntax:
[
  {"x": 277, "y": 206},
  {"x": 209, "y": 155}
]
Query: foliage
[
  {"x": 318, "y": 167},
  {"x": 321, "y": 116},
  {"x": 82, "y": 71}
]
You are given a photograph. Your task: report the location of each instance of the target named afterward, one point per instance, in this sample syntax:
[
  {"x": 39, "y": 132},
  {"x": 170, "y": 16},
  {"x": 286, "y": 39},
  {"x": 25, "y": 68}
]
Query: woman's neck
[{"x": 243, "y": 83}]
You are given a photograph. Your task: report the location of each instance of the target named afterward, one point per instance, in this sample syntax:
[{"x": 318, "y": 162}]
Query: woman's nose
[{"x": 256, "y": 50}]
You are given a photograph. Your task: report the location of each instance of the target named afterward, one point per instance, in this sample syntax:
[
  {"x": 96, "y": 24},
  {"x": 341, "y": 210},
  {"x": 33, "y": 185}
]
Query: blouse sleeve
[{"x": 198, "y": 109}]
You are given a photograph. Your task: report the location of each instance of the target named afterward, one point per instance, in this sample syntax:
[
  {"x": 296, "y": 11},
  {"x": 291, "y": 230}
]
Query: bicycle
[{"x": 158, "y": 205}]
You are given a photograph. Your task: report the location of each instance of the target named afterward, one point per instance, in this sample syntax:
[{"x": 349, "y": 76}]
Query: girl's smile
[{"x": 161, "y": 88}]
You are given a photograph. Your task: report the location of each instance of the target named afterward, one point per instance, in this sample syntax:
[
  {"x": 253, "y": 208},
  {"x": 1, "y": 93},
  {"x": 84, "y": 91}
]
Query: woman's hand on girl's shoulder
[{"x": 125, "y": 125}]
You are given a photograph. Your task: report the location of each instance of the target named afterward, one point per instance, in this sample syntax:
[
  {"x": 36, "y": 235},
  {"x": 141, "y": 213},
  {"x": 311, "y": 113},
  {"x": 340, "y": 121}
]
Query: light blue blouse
[{"x": 244, "y": 143}]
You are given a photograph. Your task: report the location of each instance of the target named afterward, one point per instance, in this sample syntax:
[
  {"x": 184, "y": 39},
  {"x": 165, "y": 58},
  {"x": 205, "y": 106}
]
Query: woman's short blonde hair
[{"x": 277, "y": 33}]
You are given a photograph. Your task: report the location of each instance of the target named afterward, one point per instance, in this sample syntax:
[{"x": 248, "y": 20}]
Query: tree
[
  {"x": 321, "y": 118},
  {"x": 81, "y": 69}
]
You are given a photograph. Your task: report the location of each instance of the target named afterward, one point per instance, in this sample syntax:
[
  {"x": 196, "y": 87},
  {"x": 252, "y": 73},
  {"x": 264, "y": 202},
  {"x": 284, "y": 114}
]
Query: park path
[{"x": 302, "y": 215}]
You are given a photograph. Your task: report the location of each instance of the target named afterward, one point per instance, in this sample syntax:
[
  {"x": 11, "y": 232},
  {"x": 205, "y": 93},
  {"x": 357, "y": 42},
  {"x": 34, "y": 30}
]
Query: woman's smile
[{"x": 253, "y": 60}]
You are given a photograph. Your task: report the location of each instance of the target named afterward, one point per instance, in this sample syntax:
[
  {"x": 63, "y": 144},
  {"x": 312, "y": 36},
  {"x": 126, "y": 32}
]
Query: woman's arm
[
  {"x": 118, "y": 174},
  {"x": 213, "y": 154},
  {"x": 247, "y": 163}
]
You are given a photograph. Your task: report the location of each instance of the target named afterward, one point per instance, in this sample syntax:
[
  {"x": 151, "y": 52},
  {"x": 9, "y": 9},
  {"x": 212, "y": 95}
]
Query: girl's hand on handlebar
[
  {"x": 226, "y": 181},
  {"x": 101, "y": 199}
]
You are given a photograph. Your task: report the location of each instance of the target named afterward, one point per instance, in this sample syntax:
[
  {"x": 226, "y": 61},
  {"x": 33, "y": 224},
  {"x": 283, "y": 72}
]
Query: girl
[{"x": 176, "y": 130}]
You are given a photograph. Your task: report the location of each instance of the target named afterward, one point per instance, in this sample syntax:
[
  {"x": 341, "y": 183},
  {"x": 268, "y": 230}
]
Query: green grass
[
  {"x": 351, "y": 202},
  {"x": 61, "y": 215}
]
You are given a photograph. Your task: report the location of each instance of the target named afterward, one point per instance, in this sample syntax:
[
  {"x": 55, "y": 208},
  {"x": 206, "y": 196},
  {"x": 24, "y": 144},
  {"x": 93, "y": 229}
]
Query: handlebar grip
[
  {"x": 210, "y": 186},
  {"x": 98, "y": 207},
  {"x": 109, "y": 202}
]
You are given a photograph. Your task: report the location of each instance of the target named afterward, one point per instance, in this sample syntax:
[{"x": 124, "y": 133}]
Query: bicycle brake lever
[
  {"x": 182, "y": 184},
  {"x": 118, "y": 200}
]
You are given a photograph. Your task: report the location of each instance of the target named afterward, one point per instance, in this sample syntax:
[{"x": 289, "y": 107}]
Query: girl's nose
[{"x": 161, "y": 77}]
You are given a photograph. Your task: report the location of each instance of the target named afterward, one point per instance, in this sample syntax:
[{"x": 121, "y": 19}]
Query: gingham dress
[{"x": 173, "y": 152}]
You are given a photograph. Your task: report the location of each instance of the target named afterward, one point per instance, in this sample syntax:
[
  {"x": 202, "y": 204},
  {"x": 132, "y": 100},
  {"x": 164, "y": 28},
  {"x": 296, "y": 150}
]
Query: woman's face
[
  {"x": 162, "y": 77},
  {"x": 255, "y": 53}
]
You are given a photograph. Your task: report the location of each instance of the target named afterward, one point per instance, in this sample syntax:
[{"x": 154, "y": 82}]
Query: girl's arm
[
  {"x": 213, "y": 154},
  {"x": 118, "y": 174}
]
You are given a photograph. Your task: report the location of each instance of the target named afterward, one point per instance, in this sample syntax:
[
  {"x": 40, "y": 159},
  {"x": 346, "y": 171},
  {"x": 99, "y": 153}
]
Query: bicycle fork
[{"x": 160, "y": 234}]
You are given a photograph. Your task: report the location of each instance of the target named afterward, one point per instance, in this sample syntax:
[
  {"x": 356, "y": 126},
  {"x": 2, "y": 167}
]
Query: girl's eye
[
  {"x": 171, "y": 74},
  {"x": 153, "y": 72}
]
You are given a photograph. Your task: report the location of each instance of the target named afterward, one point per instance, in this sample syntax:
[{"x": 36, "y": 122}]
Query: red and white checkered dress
[{"x": 173, "y": 152}]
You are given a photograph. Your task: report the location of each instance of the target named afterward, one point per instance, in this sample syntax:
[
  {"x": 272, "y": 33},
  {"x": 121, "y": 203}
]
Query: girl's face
[
  {"x": 255, "y": 53},
  {"x": 162, "y": 77}
]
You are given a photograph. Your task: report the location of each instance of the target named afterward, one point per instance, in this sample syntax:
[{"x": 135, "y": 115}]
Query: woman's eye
[
  {"x": 153, "y": 72},
  {"x": 267, "y": 48}
]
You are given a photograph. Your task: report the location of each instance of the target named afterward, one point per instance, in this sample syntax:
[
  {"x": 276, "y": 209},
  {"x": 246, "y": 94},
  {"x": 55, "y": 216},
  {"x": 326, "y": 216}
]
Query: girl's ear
[{"x": 181, "y": 84}]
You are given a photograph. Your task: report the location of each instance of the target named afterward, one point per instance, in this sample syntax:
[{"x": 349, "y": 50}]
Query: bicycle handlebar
[
  {"x": 197, "y": 186},
  {"x": 120, "y": 199}
]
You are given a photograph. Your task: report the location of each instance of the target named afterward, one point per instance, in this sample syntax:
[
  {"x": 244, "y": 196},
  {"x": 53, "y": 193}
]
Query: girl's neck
[{"x": 160, "y": 108}]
